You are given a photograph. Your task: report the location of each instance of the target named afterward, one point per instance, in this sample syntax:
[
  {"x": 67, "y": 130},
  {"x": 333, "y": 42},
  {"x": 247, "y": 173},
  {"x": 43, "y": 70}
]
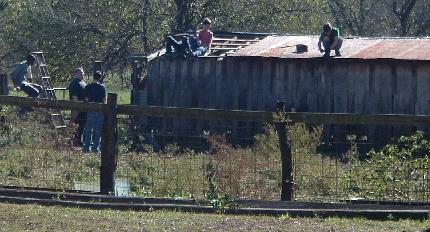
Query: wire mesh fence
[
  {"x": 185, "y": 157},
  {"x": 335, "y": 163},
  {"x": 32, "y": 155},
  {"x": 160, "y": 161}
]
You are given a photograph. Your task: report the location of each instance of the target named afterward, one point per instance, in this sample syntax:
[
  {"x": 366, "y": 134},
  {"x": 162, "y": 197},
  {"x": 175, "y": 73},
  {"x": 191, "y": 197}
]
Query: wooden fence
[
  {"x": 112, "y": 110},
  {"x": 4, "y": 90}
]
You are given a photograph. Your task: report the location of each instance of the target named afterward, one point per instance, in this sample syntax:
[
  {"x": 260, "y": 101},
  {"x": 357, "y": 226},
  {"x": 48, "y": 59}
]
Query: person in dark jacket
[
  {"x": 94, "y": 92},
  {"x": 77, "y": 93}
]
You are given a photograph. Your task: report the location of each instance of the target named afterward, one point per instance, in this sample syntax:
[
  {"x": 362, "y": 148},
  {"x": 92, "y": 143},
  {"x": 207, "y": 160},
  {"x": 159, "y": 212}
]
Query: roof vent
[{"x": 301, "y": 48}]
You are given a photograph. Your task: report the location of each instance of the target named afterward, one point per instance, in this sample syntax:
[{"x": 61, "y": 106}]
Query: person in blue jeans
[{"x": 94, "y": 92}]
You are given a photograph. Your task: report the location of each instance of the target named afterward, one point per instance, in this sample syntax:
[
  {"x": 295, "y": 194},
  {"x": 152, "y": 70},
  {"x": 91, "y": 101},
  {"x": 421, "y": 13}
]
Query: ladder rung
[
  {"x": 45, "y": 77},
  {"x": 56, "y": 114},
  {"x": 60, "y": 127},
  {"x": 50, "y": 89}
]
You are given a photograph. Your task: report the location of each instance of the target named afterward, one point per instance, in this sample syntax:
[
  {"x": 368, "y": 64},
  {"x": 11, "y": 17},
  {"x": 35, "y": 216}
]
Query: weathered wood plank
[
  {"x": 52, "y": 104},
  {"x": 109, "y": 149},
  {"x": 291, "y": 86},
  {"x": 422, "y": 90},
  {"x": 310, "y": 86},
  {"x": 185, "y": 92},
  {"x": 214, "y": 114},
  {"x": 266, "y": 81},
  {"x": 244, "y": 79},
  {"x": 4, "y": 89},
  {"x": 260, "y": 116}
]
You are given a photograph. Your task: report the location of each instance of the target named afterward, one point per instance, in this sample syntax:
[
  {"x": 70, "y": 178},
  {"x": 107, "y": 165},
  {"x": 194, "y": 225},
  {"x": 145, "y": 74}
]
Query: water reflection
[{"x": 122, "y": 186}]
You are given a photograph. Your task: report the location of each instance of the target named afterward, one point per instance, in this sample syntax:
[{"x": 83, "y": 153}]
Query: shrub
[{"x": 398, "y": 171}]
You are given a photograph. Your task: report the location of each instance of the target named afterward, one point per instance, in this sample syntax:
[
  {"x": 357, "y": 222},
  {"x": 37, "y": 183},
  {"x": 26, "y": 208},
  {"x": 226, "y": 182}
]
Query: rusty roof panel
[{"x": 358, "y": 48}]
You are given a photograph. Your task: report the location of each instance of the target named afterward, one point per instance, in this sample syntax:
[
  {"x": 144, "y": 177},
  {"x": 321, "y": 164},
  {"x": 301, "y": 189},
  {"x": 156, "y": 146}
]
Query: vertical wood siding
[{"x": 306, "y": 85}]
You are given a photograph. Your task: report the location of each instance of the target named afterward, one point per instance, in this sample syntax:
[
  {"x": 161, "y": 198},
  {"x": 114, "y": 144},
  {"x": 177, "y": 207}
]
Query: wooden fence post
[
  {"x": 98, "y": 66},
  {"x": 4, "y": 90},
  {"x": 286, "y": 157},
  {"x": 109, "y": 147}
]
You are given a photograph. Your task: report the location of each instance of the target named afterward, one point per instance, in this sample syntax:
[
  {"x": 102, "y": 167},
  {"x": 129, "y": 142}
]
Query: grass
[
  {"x": 41, "y": 218},
  {"x": 29, "y": 157}
]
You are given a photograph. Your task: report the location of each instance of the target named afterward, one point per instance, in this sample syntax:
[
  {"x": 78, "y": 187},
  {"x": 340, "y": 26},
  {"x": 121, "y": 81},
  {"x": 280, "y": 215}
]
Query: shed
[{"x": 373, "y": 76}]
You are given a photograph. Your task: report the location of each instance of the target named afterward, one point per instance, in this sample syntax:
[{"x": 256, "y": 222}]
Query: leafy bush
[{"x": 398, "y": 171}]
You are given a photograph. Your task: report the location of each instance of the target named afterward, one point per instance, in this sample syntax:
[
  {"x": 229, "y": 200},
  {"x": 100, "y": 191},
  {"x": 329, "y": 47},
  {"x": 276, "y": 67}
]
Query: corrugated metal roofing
[{"x": 357, "y": 48}]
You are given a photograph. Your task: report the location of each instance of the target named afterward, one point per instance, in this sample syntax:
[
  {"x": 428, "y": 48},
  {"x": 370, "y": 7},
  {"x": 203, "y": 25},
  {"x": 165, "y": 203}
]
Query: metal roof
[{"x": 355, "y": 48}]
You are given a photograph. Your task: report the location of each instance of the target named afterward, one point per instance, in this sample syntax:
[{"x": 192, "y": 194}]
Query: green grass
[
  {"x": 41, "y": 218},
  {"x": 29, "y": 157}
]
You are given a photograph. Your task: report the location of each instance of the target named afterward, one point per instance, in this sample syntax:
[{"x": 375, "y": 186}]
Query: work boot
[
  {"x": 338, "y": 53},
  {"x": 327, "y": 55}
]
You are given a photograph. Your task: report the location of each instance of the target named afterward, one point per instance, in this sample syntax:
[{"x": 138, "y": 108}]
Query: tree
[
  {"x": 358, "y": 17},
  {"x": 403, "y": 13}
]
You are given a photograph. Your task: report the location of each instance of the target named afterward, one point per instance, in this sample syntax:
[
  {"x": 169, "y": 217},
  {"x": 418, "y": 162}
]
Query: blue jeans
[
  {"x": 179, "y": 47},
  {"x": 327, "y": 46},
  {"x": 31, "y": 89},
  {"x": 200, "y": 51},
  {"x": 196, "y": 48},
  {"x": 93, "y": 130}
]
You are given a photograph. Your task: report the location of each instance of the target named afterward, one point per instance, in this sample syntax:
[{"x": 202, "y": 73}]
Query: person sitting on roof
[
  {"x": 22, "y": 78},
  {"x": 174, "y": 47},
  {"x": 191, "y": 45},
  {"x": 331, "y": 40},
  {"x": 204, "y": 39}
]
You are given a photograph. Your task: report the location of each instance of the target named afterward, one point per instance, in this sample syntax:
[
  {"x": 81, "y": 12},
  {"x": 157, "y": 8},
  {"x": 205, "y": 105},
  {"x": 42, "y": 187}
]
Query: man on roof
[
  {"x": 192, "y": 45},
  {"x": 204, "y": 38},
  {"x": 330, "y": 40}
]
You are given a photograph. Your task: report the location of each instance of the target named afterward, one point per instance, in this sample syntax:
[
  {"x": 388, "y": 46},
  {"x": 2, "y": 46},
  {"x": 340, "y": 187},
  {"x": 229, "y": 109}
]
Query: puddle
[{"x": 122, "y": 187}]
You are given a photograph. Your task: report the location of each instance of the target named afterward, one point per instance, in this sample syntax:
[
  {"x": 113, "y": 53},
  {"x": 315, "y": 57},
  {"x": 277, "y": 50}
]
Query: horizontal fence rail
[
  {"x": 215, "y": 114},
  {"x": 332, "y": 159},
  {"x": 52, "y": 104}
]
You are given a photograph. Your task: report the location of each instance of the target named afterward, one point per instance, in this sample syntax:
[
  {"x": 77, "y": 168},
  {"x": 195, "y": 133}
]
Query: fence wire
[
  {"x": 195, "y": 159},
  {"x": 34, "y": 155},
  {"x": 167, "y": 157},
  {"x": 380, "y": 163}
]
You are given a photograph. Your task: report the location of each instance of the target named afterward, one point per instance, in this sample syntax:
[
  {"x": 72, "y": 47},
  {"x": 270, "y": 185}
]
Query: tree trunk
[
  {"x": 403, "y": 14},
  {"x": 145, "y": 14},
  {"x": 181, "y": 7}
]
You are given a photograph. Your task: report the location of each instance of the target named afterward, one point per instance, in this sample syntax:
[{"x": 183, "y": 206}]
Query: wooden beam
[
  {"x": 238, "y": 48},
  {"x": 287, "y": 185},
  {"x": 362, "y": 119},
  {"x": 51, "y": 104},
  {"x": 4, "y": 89},
  {"x": 203, "y": 114},
  {"x": 216, "y": 114},
  {"x": 236, "y": 40},
  {"x": 109, "y": 149},
  {"x": 224, "y": 49},
  {"x": 230, "y": 44}
]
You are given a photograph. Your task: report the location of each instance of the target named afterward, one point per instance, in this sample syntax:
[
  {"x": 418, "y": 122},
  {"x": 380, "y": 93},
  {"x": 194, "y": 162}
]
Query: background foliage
[{"x": 74, "y": 33}]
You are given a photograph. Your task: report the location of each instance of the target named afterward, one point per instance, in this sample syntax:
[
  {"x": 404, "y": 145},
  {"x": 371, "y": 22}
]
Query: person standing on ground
[
  {"x": 77, "y": 93},
  {"x": 22, "y": 78},
  {"x": 330, "y": 39},
  {"x": 94, "y": 92}
]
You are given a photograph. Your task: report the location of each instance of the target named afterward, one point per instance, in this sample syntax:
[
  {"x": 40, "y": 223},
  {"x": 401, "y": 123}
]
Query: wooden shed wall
[
  {"x": 256, "y": 83},
  {"x": 337, "y": 86}
]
